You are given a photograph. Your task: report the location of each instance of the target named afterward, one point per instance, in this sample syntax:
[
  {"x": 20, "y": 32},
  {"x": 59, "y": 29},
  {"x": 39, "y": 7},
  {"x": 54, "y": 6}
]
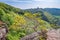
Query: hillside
[
  {"x": 7, "y": 8},
  {"x": 53, "y": 11},
  {"x": 24, "y": 22},
  {"x": 47, "y": 16}
]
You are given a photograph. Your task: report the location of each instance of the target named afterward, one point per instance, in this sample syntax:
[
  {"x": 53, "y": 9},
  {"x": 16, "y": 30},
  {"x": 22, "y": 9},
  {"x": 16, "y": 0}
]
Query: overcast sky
[{"x": 25, "y": 4}]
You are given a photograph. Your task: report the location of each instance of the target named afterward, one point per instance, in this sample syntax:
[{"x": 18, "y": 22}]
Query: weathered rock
[
  {"x": 31, "y": 36},
  {"x": 3, "y": 31},
  {"x": 35, "y": 35},
  {"x": 53, "y": 34}
]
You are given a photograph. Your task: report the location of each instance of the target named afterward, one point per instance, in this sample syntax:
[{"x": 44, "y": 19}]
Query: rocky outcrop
[
  {"x": 32, "y": 36},
  {"x": 53, "y": 34},
  {"x": 3, "y": 31},
  {"x": 35, "y": 36}
]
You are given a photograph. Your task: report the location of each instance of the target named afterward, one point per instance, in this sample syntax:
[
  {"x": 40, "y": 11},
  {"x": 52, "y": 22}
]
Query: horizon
[{"x": 28, "y": 4}]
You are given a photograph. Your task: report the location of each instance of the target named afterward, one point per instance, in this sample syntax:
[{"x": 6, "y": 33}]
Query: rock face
[
  {"x": 32, "y": 36},
  {"x": 53, "y": 34},
  {"x": 35, "y": 35},
  {"x": 3, "y": 31}
]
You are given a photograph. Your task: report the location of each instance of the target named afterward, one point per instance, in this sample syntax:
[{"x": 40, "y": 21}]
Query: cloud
[
  {"x": 46, "y": 0},
  {"x": 16, "y": 0},
  {"x": 22, "y": 0},
  {"x": 33, "y": 3}
]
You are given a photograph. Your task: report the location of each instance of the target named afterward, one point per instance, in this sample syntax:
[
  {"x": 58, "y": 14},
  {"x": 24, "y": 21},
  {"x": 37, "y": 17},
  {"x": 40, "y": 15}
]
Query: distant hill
[
  {"x": 53, "y": 11},
  {"x": 47, "y": 14}
]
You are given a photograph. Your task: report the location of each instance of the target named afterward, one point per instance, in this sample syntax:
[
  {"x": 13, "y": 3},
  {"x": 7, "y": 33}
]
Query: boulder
[
  {"x": 35, "y": 35},
  {"x": 3, "y": 30},
  {"x": 53, "y": 34}
]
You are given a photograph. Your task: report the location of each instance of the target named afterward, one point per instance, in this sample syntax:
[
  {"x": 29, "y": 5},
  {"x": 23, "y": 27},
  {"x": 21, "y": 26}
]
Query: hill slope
[
  {"x": 53, "y": 11},
  {"x": 23, "y": 22},
  {"x": 46, "y": 15}
]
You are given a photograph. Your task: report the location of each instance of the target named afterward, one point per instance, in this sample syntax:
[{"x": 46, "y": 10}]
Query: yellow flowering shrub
[
  {"x": 18, "y": 22},
  {"x": 29, "y": 15}
]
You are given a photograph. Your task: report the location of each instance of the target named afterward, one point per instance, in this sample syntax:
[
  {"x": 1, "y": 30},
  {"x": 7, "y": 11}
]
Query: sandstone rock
[
  {"x": 35, "y": 35},
  {"x": 3, "y": 31},
  {"x": 32, "y": 36},
  {"x": 53, "y": 34}
]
